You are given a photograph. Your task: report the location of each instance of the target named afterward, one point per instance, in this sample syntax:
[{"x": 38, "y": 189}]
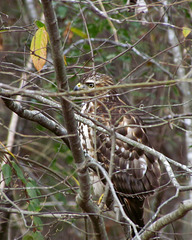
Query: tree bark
[{"x": 70, "y": 123}]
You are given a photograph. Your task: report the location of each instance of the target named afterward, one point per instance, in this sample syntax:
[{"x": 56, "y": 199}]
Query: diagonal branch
[
  {"x": 37, "y": 116},
  {"x": 119, "y": 44},
  {"x": 183, "y": 209}
]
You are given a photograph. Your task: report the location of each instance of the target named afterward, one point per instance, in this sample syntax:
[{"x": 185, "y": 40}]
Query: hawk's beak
[{"x": 78, "y": 87}]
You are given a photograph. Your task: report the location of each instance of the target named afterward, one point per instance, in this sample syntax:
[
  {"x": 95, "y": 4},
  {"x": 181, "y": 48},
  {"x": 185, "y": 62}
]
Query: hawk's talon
[{"x": 100, "y": 199}]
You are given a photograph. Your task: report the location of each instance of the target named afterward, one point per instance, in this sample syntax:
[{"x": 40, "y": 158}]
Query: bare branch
[
  {"x": 64, "y": 215},
  {"x": 37, "y": 116},
  {"x": 15, "y": 91},
  {"x": 70, "y": 123},
  {"x": 183, "y": 209},
  {"x": 119, "y": 44}
]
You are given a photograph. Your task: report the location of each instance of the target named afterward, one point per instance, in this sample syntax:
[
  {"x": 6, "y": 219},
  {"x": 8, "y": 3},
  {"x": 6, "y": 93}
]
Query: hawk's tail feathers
[{"x": 133, "y": 207}]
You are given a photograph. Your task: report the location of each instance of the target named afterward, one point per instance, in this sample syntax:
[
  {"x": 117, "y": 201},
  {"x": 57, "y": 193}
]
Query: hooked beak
[{"x": 78, "y": 87}]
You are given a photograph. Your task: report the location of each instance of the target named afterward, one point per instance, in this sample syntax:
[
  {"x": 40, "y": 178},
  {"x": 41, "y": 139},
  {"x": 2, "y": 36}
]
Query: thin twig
[{"x": 93, "y": 163}]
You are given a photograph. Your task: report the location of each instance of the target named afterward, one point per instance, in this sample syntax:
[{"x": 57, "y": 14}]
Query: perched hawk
[{"x": 135, "y": 173}]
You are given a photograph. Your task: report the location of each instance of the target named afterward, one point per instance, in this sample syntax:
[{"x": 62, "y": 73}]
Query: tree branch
[
  {"x": 37, "y": 116},
  {"x": 70, "y": 122},
  {"x": 93, "y": 163},
  {"x": 183, "y": 209},
  {"x": 119, "y": 44},
  {"x": 61, "y": 215}
]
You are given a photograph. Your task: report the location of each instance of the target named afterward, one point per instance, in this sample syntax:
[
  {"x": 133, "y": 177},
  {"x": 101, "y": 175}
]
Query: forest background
[{"x": 143, "y": 45}]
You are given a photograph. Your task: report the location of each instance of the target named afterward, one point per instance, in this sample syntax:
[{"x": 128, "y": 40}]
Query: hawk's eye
[{"x": 91, "y": 85}]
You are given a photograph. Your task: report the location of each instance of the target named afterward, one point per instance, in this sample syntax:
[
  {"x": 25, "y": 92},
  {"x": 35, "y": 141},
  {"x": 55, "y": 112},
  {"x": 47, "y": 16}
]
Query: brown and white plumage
[{"x": 135, "y": 173}]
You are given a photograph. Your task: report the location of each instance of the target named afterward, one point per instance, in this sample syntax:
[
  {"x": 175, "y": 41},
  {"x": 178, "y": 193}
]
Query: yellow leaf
[
  {"x": 186, "y": 31},
  {"x": 78, "y": 32},
  {"x": 39, "y": 48},
  {"x": 65, "y": 60},
  {"x": 100, "y": 199},
  {"x": 7, "y": 150},
  {"x": 77, "y": 182}
]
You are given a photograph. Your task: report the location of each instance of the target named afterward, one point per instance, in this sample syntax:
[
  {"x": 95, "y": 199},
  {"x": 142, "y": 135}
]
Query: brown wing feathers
[{"x": 136, "y": 173}]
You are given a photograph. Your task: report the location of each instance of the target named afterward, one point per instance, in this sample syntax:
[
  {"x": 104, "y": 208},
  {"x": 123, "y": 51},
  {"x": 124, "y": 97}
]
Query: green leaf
[
  {"x": 34, "y": 205},
  {"x": 28, "y": 236},
  {"x": 78, "y": 32},
  {"x": 62, "y": 11},
  {"x": 33, "y": 182},
  {"x": 110, "y": 56},
  {"x": 39, "y": 24},
  {"x": 31, "y": 192},
  {"x": 33, "y": 236},
  {"x": 38, "y": 223},
  {"x": 53, "y": 165},
  {"x": 176, "y": 90},
  {"x": 61, "y": 197},
  {"x": 19, "y": 172},
  {"x": 38, "y": 236},
  {"x": 7, "y": 173}
]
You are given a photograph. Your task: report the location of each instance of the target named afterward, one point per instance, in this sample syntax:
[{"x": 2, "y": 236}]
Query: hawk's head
[{"x": 94, "y": 81}]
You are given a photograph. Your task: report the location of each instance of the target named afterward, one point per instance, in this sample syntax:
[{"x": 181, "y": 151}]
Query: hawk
[{"x": 135, "y": 173}]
